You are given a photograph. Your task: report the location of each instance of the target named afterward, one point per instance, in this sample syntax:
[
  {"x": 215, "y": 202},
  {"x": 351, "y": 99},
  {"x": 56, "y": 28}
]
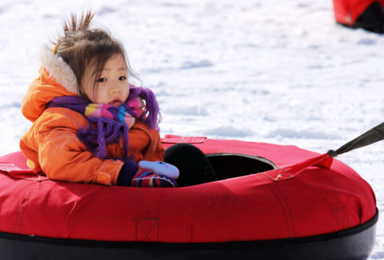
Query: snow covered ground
[{"x": 269, "y": 71}]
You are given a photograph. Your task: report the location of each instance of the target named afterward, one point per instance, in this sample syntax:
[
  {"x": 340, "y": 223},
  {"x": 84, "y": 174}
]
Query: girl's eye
[
  {"x": 122, "y": 78},
  {"x": 101, "y": 80}
]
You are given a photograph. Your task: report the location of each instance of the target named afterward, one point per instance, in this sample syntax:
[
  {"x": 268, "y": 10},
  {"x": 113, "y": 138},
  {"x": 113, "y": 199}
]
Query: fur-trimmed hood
[{"x": 56, "y": 79}]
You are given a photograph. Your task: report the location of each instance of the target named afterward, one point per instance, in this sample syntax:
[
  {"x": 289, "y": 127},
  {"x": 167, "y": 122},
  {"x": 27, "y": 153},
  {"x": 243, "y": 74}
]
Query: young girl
[{"x": 91, "y": 126}]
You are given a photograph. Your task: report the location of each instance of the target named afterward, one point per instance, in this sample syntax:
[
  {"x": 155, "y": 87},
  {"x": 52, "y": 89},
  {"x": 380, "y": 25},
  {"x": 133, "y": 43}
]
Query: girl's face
[{"x": 112, "y": 85}]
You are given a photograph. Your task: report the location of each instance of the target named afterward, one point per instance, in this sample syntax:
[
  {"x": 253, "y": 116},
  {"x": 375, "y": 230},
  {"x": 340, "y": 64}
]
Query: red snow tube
[
  {"x": 366, "y": 14},
  {"x": 270, "y": 202}
]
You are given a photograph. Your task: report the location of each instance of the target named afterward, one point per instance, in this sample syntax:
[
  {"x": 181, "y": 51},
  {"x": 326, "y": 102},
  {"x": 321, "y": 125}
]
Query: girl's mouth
[{"x": 116, "y": 102}]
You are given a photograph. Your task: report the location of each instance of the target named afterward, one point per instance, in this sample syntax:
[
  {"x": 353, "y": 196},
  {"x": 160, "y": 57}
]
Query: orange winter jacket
[{"x": 51, "y": 144}]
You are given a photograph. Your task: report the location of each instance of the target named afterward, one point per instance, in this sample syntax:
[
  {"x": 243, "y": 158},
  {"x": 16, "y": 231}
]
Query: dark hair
[{"x": 82, "y": 47}]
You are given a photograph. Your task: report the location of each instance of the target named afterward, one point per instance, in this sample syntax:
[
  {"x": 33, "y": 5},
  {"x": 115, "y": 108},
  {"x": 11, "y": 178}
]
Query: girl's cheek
[{"x": 97, "y": 97}]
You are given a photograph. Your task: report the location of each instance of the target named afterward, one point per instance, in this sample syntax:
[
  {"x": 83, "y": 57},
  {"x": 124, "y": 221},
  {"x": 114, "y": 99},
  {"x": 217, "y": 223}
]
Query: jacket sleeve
[{"x": 63, "y": 157}]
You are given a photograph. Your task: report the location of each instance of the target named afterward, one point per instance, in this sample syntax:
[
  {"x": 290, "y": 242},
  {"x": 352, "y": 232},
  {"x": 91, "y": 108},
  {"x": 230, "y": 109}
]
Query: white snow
[{"x": 269, "y": 71}]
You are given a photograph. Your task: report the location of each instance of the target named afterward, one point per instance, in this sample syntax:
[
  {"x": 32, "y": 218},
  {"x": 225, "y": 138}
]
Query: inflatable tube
[
  {"x": 366, "y": 14},
  {"x": 271, "y": 201}
]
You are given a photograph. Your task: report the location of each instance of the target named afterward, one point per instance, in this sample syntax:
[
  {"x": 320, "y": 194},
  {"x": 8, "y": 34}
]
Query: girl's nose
[{"x": 115, "y": 89}]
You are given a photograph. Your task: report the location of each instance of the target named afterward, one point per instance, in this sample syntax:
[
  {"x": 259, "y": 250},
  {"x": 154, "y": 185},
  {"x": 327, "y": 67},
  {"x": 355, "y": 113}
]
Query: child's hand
[
  {"x": 154, "y": 174},
  {"x": 146, "y": 178},
  {"x": 126, "y": 174},
  {"x": 162, "y": 168}
]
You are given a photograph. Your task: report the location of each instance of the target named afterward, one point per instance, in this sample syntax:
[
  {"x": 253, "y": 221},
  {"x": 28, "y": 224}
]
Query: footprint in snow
[{"x": 200, "y": 64}]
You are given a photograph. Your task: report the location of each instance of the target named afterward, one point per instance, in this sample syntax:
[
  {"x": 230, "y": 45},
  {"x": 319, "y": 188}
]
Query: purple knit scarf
[{"x": 110, "y": 129}]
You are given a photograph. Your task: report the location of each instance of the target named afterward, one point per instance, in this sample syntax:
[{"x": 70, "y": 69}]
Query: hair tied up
[{"x": 74, "y": 26}]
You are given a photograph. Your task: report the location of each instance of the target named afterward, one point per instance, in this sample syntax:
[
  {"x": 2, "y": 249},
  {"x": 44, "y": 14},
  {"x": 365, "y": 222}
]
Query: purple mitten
[
  {"x": 126, "y": 174},
  {"x": 145, "y": 178}
]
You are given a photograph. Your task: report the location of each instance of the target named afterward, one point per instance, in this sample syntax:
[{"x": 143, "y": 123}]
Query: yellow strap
[{"x": 55, "y": 49}]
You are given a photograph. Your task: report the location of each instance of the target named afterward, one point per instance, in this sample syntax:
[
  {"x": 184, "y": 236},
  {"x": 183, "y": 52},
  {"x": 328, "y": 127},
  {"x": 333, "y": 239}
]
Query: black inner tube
[{"x": 230, "y": 165}]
